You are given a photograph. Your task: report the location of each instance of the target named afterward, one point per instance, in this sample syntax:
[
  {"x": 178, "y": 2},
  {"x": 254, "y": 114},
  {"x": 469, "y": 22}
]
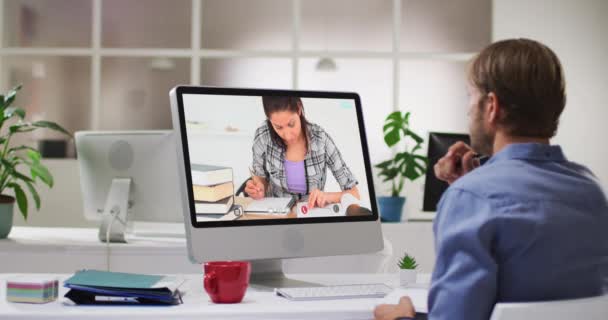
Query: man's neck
[{"x": 502, "y": 140}]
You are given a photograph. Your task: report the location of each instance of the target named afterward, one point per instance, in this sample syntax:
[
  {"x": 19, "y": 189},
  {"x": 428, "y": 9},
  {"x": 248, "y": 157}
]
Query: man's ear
[{"x": 493, "y": 110}]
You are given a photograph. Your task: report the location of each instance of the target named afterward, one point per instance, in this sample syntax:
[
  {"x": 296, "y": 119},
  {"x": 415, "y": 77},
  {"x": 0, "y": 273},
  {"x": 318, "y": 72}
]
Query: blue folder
[{"x": 103, "y": 287}]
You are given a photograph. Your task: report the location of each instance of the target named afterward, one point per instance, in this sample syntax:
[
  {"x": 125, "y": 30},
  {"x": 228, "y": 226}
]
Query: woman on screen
[{"x": 291, "y": 157}]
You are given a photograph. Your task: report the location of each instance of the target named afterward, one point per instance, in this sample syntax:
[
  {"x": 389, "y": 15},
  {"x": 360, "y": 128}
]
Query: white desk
[
  {"x": 197, "y": 305},
  {"x": 64, "y": 250}
]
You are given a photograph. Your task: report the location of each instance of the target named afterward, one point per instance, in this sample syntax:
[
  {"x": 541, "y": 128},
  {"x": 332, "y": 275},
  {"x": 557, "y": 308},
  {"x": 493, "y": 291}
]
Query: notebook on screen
[{"x": 271, "y": 205}]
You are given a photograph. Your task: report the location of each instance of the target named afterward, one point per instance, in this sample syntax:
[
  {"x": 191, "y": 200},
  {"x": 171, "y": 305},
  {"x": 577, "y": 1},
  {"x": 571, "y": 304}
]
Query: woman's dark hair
[{"x": 274, "y": 104}]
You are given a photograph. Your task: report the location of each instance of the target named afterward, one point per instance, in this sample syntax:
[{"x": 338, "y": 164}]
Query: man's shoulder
[
  {"x": 478, "y": 180},
  {"x": 519, "y": 179}
]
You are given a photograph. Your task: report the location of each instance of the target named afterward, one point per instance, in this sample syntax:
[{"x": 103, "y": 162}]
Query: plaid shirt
[{"x": 268, "y": 162}]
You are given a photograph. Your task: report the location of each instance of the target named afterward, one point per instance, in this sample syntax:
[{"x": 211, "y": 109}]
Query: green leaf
[
  {"x": 393, "y": 125},
  {"x": 34, "y": 194},
  {"x": 407, "y": 262},
  {"x": 17, "y": 159},
  {"x": 384, "y": 164},
  {"x": 389, "y": 174},
  {"x": 21, "y": 127},
  {"x": 1, "y": 101},
  {"x": 9, "y": 166},
  {"x": 21, "y": 176},
  {"x": 405, "y": 123},
  {"x": 409, "y": 165},
  {"x": 34, "y": 155},
  {"x": 414, "y": 136},
  {"x": 10, "y": 97},
  {"x": 423, "y": 159},
  {"x": 40, "y": 171},
  {"x": 10, "y": 112},
  {"x": 51, "y": 125},
  {"x": 19, "y": 148},
  {"x": 21, "y": 199}
]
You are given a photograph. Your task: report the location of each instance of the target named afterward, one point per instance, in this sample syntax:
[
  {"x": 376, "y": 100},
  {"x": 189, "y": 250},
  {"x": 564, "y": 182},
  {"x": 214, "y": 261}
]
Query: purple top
[{"x": 296, "y": 176}]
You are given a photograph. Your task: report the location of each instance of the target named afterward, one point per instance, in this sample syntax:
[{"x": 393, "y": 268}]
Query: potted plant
[
  {"x": 405, "y": 165},
  {"x": 20, "y": 166},
  {"x": 407, "y": 270}
]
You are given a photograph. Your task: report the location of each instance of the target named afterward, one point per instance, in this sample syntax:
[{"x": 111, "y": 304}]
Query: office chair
[{"x": 594, "y": 308}]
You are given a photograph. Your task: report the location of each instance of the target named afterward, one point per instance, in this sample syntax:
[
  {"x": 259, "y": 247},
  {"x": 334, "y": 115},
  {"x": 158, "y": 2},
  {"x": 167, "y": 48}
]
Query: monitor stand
[
  {"x": 114, "y": 217},
  {"x": 268, "y": 274}
]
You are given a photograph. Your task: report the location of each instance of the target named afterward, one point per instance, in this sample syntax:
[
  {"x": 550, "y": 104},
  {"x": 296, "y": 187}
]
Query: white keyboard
[{"x": 374, "y": 290}]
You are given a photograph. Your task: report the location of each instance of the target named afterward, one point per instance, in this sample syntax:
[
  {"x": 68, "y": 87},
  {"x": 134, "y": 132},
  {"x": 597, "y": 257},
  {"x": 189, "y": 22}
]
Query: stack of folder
[{"x": 102, "y": 287}]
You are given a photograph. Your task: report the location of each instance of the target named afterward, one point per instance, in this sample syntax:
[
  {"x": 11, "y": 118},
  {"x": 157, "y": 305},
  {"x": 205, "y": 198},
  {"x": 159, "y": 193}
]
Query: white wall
[
  {"x": 61, "y": 206},
  {"x": 576, "y": 31}
]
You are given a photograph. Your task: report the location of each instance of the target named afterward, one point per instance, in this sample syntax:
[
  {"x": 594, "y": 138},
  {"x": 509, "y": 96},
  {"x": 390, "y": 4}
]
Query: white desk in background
[
  {"x": 63, "y": 250},
  {"x": 197, "y": 305}
]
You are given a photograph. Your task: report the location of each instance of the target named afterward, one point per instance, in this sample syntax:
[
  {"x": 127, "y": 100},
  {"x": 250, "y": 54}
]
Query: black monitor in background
[{"x": 439, "y": 143}]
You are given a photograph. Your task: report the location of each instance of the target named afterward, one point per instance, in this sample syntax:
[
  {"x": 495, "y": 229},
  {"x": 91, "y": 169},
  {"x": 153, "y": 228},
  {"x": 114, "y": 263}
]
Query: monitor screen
[
  {"x": 272, "y": 174},
  {"x": 304, "y": 155},
  {"x": 439, "y": 143}
]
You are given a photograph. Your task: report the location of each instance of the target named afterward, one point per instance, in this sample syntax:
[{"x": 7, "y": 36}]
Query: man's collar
[{"x": 529, "y": 151}]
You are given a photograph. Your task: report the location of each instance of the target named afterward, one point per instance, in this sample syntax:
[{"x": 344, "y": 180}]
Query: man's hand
[
  {"x": 405, "y": 308},
  {"x": 456, "y": 163},
  {"x": 254, "y": 189}
]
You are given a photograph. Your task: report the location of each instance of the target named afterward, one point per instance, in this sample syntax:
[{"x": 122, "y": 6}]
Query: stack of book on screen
[
  {"x": 31, "y": 289},
  {"x": 104, "y": 287},
  {"x": 213, "y": 189}
]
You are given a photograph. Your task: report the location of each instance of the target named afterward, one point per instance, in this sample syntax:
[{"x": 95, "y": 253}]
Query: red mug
[{"x": 227, "y": 281}]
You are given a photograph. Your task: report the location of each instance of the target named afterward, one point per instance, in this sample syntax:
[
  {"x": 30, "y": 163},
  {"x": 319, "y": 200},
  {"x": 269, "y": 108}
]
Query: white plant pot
[{"x": 407, "y": 277}]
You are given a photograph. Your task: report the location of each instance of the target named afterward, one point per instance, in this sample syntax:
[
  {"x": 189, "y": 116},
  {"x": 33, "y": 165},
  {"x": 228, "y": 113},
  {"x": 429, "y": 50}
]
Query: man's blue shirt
[{"x": 528, "y": 225}]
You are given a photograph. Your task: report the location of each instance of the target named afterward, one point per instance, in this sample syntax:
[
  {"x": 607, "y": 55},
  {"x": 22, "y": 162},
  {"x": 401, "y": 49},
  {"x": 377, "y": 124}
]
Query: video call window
[{"x": 275, "y": 157}]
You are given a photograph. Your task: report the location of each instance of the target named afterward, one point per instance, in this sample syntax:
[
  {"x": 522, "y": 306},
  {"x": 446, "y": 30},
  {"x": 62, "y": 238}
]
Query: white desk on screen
[{"x": 197, "y": 305}]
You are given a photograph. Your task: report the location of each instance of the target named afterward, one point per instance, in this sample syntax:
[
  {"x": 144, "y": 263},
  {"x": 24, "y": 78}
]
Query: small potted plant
[
  {"x": 406, "y": 164},
  {"x": 407, "y": 270},
  {"x": 20, "y": 166}
]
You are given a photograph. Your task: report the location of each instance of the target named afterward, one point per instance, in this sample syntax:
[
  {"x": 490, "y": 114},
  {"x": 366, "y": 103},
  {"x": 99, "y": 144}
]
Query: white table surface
[
  {"x": 64, "y": 250},
  {"x": 197, "y": 304}
]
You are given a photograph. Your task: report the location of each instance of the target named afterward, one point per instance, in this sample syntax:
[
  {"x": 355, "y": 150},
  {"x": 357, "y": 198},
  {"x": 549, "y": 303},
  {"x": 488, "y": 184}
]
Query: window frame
[{"x": 198, "y": 55}]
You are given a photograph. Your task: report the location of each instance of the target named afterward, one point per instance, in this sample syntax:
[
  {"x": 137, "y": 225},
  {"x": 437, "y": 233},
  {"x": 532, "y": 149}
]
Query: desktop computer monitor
[
  {"x": 439, "y": 143},
  {"x": 225, "y": 137},
  {"x": 129, "y": 176}
]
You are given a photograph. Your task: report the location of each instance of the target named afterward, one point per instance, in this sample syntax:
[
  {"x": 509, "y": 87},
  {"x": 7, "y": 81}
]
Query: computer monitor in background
[
  {"x": 439, "y": 143},
  {"x": 129, "y": 176},
  {"x": 216, "y": 129}
]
